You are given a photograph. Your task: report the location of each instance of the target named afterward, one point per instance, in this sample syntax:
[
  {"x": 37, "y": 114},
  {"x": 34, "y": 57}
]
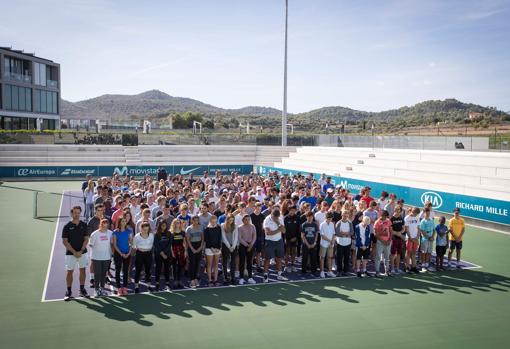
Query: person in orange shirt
[{"x": 456, "y": 228}]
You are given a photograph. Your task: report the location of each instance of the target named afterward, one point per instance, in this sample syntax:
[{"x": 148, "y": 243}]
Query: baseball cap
[{"x": 330, "y": 190}]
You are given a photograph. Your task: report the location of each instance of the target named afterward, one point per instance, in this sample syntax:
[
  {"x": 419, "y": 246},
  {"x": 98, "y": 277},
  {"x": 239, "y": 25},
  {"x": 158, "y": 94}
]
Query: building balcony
[
  {"x": 52, "y": 83},
  {"x": 18, "y": 77}
]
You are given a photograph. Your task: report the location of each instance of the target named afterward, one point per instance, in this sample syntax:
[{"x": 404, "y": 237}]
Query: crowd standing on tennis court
[{"x": 172, "y": 226}]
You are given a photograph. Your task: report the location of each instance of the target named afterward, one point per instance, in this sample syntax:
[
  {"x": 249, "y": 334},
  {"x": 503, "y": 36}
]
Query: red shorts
[
  {"x": 396, "y": 246},
  {"x": 412, "y": 245}
]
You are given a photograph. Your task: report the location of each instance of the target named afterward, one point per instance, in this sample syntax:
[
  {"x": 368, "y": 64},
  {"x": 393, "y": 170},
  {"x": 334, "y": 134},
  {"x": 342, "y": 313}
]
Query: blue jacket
[{"x": 358, "y": 236}]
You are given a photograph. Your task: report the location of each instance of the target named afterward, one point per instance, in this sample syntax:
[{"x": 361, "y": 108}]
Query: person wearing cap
[
  {"x": 329, "y": 196},
  {"x": 274, "y": 228},
  {"x": 259, "y": 194},
  {"x": 456, "y": 228}
]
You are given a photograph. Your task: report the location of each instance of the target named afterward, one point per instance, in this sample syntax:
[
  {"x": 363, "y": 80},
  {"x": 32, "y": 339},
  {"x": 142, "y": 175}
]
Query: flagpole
[{"x": 284, "y": 111}]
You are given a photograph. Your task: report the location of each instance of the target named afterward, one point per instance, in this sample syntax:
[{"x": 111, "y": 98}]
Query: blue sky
[{"x": 369, "y": 55}]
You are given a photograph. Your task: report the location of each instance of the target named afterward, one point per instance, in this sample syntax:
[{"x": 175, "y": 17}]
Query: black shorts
[
  {"x": 291, "y": 244},
  {"x": 259, "y": 244},
  {"x": 440, "y": 250},
  {"x": 360, "y": 253},
  {"x": 455, "y": 245},
  {"x": 274, "y": 249}
]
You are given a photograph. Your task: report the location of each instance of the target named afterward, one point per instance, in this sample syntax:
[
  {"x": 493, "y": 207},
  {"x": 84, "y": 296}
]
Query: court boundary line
[
  {"x": 272, "y": 282},
  {"x": 52, "y": 248}
]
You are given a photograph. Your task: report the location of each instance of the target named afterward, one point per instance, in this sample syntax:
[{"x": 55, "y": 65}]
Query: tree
[{"x": 209, "y": 124}]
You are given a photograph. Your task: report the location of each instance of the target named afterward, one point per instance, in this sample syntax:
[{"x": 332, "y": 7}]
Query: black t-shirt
[
  {"x": 292, "y": 225},
  {"x": 310, "y": 230},
  {"x": 219, "y": 213},
  {"x": 397, "y": 223},
  {"x": 75, "y": 234},
  {"x": 93, "y": 224},
  {"x": 336, "y": 216},
  {"x": 257, "y": 220}
]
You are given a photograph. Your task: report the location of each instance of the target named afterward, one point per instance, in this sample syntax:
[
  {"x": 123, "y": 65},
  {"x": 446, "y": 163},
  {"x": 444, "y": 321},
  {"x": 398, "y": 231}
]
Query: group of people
[{"x": 175, "y": 225}]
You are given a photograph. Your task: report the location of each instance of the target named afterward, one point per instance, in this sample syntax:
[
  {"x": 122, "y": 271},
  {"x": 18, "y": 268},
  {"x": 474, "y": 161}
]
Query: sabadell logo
[{"x": 433, "y": 197}]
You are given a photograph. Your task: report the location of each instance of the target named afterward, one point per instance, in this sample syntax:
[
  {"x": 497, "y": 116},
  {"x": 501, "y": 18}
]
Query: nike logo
[{"x": 188, "y": 171}]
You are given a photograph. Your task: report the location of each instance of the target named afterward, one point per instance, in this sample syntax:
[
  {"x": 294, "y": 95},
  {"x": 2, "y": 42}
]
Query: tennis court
[{"x": 468, "y": 308}]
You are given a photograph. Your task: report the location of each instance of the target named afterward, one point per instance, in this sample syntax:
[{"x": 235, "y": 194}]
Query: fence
[{"x": 495, "y": 142}]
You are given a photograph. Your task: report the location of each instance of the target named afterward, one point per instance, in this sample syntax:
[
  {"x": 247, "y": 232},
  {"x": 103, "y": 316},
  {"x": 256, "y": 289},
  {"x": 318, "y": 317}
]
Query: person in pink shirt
[
  {"x": 382, "y": 229},
  {"x": 247, "y": 238}
]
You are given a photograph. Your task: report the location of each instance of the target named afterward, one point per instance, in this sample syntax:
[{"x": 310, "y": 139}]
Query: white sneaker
[
  {"x": 331, "y": 274},
  {"x": 251, "y": 281},
  {"x": 97, "y": 293},
  {"x": 295, "y": 269},
  {"x": 266, "y": 279},
  {"x": 281, "y": 278},
  {"x": 322, "y": 275},
  {"x": 241, "y": 281},
  {"x": 236, "y": 273},
  {"x": 449, "y": 265}
]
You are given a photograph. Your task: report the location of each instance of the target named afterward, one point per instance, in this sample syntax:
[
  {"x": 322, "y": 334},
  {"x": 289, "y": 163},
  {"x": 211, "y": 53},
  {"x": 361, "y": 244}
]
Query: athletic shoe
[
  {"x": 459, "y": 266},
  {"x": 424, "y": 269},
  {"x": 91, "y": 282},
  {"x": 323, "y": 275},
  {"x": 358, "y": 274},
  {"x": 241, "y": 281},
  {"x": 236, "y": 273},
  {"x": 377, "y": 274},
  {"x": 367, "y": 274},
  {"x": 68, "y": 296},
  {"x": 156, "y": 288},
  {"x": 97, "y": 293},
  {"x": 449, "y": 265},
  {"x": 281, "y": 278},
  {"x": 251, "y": 281},
  {"x": 137, "y": 290},
  {"x": 331, "y": 274},
  {"x": 83, "y": 293},
  {"x": 266, "y": 278}
]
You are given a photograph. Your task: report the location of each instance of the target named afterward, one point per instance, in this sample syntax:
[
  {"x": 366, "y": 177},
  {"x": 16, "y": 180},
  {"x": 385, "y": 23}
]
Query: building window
[
  {"x": 40, "y": 74},
  {"x": 32, "y": 124},
  {"x": 46, "y": 102},
  {"x": 17, "y": 98}
]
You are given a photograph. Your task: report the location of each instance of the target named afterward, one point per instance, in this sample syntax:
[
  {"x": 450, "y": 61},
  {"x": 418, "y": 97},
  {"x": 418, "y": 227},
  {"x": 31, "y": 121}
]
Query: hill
[{"x": 155, "y": 104}]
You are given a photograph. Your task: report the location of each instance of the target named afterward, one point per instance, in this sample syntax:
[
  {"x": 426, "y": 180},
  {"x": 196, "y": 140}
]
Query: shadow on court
[{"x": 166, "y": 305}]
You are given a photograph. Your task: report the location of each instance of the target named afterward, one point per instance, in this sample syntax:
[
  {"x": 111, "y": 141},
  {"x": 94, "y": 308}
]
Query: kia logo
[
  {"x": 23, "y": 172},
  {"x": 434, "y": 198}
]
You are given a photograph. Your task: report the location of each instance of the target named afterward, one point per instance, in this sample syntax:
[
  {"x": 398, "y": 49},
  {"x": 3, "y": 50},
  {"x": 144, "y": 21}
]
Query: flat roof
[{"x": 21, "y": 52}]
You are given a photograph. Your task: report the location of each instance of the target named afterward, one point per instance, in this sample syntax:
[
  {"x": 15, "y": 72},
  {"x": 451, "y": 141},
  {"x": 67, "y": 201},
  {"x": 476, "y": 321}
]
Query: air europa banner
[
  {"x": 98, "y": 171},
  {"x": 486, "y": 209}
]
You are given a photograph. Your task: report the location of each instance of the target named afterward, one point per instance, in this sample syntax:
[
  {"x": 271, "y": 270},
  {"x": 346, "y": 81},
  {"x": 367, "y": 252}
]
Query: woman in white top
[
  {"x": 230, "y": 240},
  {"x": 142, "y": 243},
  {"x": 100, "y": 242},
  {"x": 88, "y": 194}
]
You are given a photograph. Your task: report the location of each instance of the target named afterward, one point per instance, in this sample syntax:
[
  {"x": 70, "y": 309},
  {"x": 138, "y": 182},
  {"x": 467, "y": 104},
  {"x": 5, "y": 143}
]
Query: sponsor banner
[
  {"x": 99, "y": 171},
  {"x": 486, "y": 209}
]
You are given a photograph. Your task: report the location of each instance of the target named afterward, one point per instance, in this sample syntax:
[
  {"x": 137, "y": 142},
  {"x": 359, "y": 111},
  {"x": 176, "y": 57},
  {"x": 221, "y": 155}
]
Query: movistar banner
[
  {"x": 98, "y": 171},
  {"x": 486, "y": 209}
]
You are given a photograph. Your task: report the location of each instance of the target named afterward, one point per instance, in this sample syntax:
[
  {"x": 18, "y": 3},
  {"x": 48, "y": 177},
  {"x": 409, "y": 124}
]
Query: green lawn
[{"x": 465, "y": 309}]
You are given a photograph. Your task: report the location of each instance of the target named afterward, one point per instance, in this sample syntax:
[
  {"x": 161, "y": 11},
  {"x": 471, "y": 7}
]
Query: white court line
[
  {"x": 272, "y": 282},
  {"x": 53, "y": 247}
]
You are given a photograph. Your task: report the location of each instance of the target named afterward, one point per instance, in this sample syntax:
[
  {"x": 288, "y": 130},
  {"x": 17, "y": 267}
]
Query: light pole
[{"x": 284, "y": 111}]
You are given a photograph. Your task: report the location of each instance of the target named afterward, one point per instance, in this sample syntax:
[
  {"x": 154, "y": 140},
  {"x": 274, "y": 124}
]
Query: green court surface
[{"x": 455, "y": 309}]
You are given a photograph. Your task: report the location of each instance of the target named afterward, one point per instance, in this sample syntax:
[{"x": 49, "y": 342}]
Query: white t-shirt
[
  {"x": 327, "y": 230},
  {"x": 320, "y": 217},
  {"x": 271, "y": 224},
  {"x": 412, "y": 223},
  {"x": 143, "y": 244},
  {"x": 100, "y": 243},
  {"x": 345, "y": 227}
]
